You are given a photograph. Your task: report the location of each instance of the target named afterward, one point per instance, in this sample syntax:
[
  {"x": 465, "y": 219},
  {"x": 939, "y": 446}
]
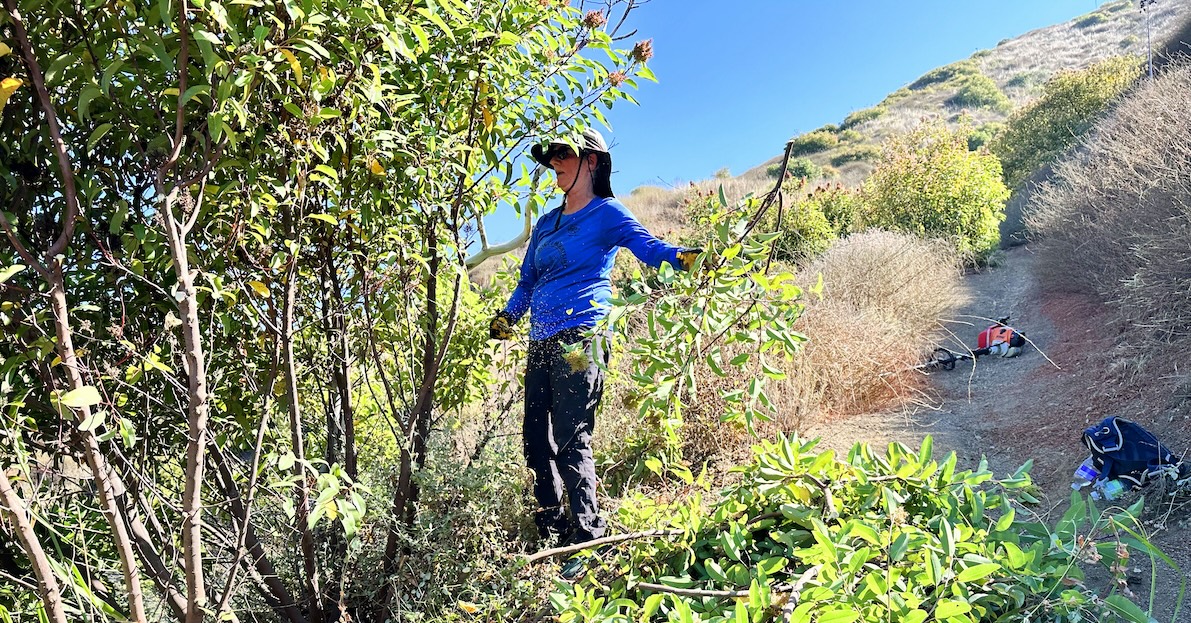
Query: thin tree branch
[
  {"x": 47, "y": 583},
  {"x": 69, "y": 192},
  {"x": 608, "y": 540}
]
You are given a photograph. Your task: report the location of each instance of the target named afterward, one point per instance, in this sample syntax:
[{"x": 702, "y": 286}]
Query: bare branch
[
  {"x": 608, "y": 540},
  {"x": 69, "y": 192}
]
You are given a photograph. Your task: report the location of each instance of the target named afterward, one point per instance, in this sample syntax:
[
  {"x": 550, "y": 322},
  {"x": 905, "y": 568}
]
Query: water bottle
[
  {"x": 1108, "y": 490},
  {"x": 1085, "y": 474}
]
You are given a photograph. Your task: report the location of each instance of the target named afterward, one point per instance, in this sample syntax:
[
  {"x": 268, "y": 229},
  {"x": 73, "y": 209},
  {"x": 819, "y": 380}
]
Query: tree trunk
[
  {"x": 13, "y": 507},
  {"x": 107, "y": 484},
  {"x": 198, "y": 412}
]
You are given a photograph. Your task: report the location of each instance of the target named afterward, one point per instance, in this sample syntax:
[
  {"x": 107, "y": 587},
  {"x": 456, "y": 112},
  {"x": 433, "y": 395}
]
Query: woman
[{"x": 565, "y": 286}]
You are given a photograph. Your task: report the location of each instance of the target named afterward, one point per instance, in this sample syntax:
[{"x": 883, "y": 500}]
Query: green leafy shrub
[
  {"x": 850, "y": 136},
  {"x": 841, "y": 206},
  {"x": 804, "y": 168},
  {"x": 979, "y": 91},
  {"x": 1091, "y": 19},
  {"x": 869, "y": 537},
  {"x": 1129, "y": 41},
  {"x": 944, "y": 74},
  {"x": 1070, "y": 103},
  {"x": 858, "y": 153},
  {"x": 928, "y": 183},
  {"x": 661, "y": 320},
  {"x": 804, "y": 231},
  {"x": 814, "y": 142},
  {"x": 983, "y": 135},
  {"x": 862, "y": 116}
]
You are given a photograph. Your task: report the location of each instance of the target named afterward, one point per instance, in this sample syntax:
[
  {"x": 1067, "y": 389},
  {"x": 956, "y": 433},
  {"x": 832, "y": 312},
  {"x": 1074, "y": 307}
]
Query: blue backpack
[{"x": 1123, "y": 450}]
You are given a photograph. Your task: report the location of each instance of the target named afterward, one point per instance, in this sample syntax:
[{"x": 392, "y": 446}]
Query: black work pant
[{"x": 561, "y": 395}]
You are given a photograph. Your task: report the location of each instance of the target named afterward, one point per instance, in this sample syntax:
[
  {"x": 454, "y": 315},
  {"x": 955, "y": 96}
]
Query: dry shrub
[
  {"x": 1116, "y": 218},
  {"x": 883, "y": 295}
]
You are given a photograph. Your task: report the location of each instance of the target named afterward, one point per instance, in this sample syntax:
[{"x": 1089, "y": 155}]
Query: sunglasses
[{"x": 559, "y": 152}]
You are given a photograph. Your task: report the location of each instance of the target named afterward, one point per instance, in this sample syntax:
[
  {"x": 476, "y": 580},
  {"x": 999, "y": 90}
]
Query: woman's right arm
[{"x": 520, "y": 299}]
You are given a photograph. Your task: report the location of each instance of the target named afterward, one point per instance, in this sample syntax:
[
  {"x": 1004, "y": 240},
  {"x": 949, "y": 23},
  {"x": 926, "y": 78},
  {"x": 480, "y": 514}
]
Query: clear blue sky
[{"x": 737, "y": 79}]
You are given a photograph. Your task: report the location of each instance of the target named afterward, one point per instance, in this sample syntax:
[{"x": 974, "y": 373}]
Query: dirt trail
[
  {"x": 1034, "y": 406},
  {"x": 1007, "y": 410}
]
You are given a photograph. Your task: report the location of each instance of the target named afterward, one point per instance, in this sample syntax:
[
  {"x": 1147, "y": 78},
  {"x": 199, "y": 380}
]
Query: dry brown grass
[
  {"x": 883, "y": 295},
  {"x": 1116, "y": 218}
]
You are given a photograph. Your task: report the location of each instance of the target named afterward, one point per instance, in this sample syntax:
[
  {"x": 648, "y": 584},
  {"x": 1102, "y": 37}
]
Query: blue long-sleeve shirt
[{"x": 566, "y": 274}]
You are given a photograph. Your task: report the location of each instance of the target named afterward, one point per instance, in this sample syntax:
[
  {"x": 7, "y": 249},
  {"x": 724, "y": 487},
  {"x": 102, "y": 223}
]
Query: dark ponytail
[{"x": 601, "y": 176}]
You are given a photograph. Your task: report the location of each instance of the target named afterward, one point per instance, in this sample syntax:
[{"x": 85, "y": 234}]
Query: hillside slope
[{"x": 973, "y": 88}]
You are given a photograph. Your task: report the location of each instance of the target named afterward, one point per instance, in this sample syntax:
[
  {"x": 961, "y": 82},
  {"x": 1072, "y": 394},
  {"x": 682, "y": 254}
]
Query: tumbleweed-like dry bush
[
  {"x": 1116, "y": 218},
  {"x": 883, "y": 296}
]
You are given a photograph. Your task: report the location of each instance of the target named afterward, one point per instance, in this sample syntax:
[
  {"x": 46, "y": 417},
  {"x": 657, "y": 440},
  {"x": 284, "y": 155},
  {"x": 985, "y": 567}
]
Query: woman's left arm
[{"x": 626, "y": 231}]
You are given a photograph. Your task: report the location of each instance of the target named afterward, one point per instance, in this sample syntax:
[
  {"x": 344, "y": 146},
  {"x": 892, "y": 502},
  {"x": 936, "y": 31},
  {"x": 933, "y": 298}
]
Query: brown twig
[{"x": 608, "y": 540}]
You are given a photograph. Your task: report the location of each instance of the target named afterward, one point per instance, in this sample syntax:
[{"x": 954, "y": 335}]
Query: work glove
[
  {"x": 687, "y": 257},
  {"x": 501, "y": 327}
]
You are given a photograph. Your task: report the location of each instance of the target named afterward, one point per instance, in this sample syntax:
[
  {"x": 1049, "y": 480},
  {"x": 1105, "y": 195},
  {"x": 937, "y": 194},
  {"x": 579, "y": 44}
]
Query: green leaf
[
  {"x": 924, "y": 452},
  {"x": 951, "y": 607},
  {"x": 204, "y": 89},
  {"x": 11, "y": 271},
  {"x": 839, "y": 616},
  {"x": 652, "y": 603},
  {"x": 92, "y": 421},
  {"x": 99, "y": 132},
  {"x": 1006, "y": 520},
  {"x": 977, "y": 572},
  {"x": 917, "y": 615},
  {"x": 84, "y": 396},
  {"x": 89, "y": 93},
  {"x": 286, "y": 461},
  {"x": 1127, "y": 609},
  {"x": 328, "y": 171},
  {"x": 326, "y": 218}
]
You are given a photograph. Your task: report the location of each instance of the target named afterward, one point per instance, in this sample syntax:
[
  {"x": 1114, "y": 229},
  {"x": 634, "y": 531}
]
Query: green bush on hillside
[
  {"x": 814, "y": 142},
  {"x": 804, "y": 232},
  {"x": 858, "y": 153},
  {"x": 850, "y": 136},
  {"x": 947, "y": 73},
  {"x": 1070, "y": 103},
  {"x": 862, "y": 116},
  {"x": 983, "y": 135},
  {"x": 1091, "y": 19},
  {"x": 928, "y": 183},
  {"x": 797, "y": 167},
  {"x": 979, "y": 91},
  {"x": 841, "y": 206},
  {"x": 865, "y": 537}
]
